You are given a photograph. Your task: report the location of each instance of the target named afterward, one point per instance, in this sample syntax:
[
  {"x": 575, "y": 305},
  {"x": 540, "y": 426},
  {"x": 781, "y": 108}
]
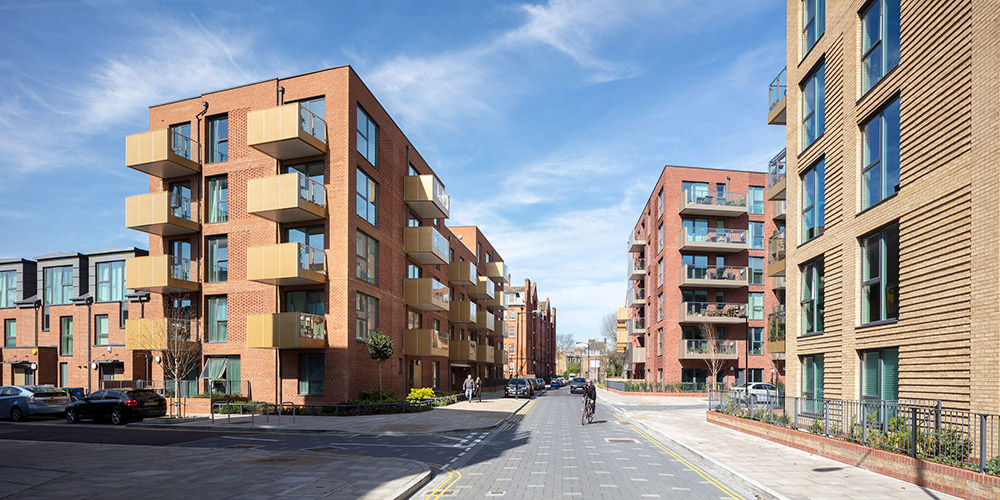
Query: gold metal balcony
[
  {"x": 287, "y": 330},
  {"x": 497, "y": 271},
  {"x": 484, "y": 289},
  {"x": 714, "y": 277},
  {"x": 426, "y": 294},
  {"x": 286, "y": 264},
  {"x": 484, "y": 354},
  {"x": 426, "y": 245},
  {"x": 163, "y": 153},
  {"x": 163, "y": 213},
  {"x": 425, "y": 342},
  {"x": 157, "y": 334},
  {"x": 485, "y": 321},
  {"x": 710, "y": 239},
  {"x": 462, "y": 273},
  {"x": 701, "y": 349},
  {"x": 499, "y": 302},
  {"x": 462, "y": 311},
  {"x": 462, "y": 350},
  {"x": 290, "y": 197},
  {"x": 726, "y": 204},
  {"x": 712, "y": 312},
  {"x": 498, "y": 324},
  {"x": 499, "y": 357},
  {"x": 286, "y": 132},
  {"x": 161, "y": 274},
  {"x": 426, "y": 197}
]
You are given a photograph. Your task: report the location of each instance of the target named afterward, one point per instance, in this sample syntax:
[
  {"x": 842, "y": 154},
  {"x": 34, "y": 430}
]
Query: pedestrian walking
[
  {"x": 479, "y": 389},
  {"x": 469, "y": 385}
]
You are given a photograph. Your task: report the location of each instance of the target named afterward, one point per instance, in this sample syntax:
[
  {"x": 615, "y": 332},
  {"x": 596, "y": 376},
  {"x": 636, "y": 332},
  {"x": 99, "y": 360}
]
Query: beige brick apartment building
[
  {"x": 892, "y": 192},
  {"x": 696, "y": 259},
  {"x": 290, "y": 218}
]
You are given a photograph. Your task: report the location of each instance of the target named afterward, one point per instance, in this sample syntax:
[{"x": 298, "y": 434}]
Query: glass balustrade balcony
[
  {"x": 165, "y": 153},
  {"x": 776, "y": 255},
  {"x": 426, "y": 342},
  {"x": 636, "y": 268},
  {"x": 636, "y": 243},
  {"x": 712, "y": 312},
  {"x": 484, "y": 289},
  {"x": 703, "y": 202},
  {"x": 485, "y": 321},
  {"x": 286, "y": 132},
  {"x": 462, "y": 350},
  {"x": 712, "y": 276},
  {"x": 703, "y": 349},
  {"x": 162, "y": 213},
  {"x": 462, "y": 311},
  {"x": 426, "y": 245},
  {"x": 777, "y": 104},
  {"x": 776, "y": 333},
  {"x": 290, "y": 197},
  {"x": 778, "y": 208},
  {"x": 426, "y": 197},
  {"x": 776, "y": 177},
  {"x": 635, "y": 297},
  {"x": 286, "y": 330},
  {"x": 286, "y": 264},
  {"x": 462, "y": 273},
  {"x": 636, "y": 326},
  {"x": 426, "y": 294},
  {"x": 710, "y": 239},
  {"x": 497, "y": 271}
]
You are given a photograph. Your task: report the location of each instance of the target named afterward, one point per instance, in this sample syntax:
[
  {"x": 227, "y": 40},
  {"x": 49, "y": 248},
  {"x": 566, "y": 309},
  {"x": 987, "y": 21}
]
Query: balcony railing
[
  {"x": 426, "y": 196},
  {"x": 729, "y": 277},
  {"x": 713, "y": 312},
  {"x": 636, "y": 243},
  {"x": 163, "y": 153},
  {"x": 704, "y": 202},
  {"x": 287, "y": 330},
  {"x": 291, "y": 197},
  {"x": 497, "y": 271},
  {"x": 162, "y": 213},
  {"x": 426, "y": 245},
  {"x": 426, "y": 294},
  {"x": 160, "y": 333},
  {"x": 636, "y": 326},
  {"x": 776, "y": 177},
  {"x": 776, "y": 255},
  {"x": 635, "y": 297},
  {"x": 702, "y": 349},
  {"x": 484, "y": 289},
  {"x": 286, "y": 132},
  {"x": 708, "y": 239},
  {"x": 636, "y": 268},
  {"x": 425, "y": 342},
  {"x": 778, "y": 208},
  {"x": 462, "y": 311},
  {"x": 312, "y": 124},
  {"x": 777, "y": 89},
  {"x": 286, "y": 264},
  {"x": 161, "y": 274},
  {"x": 462, "y": 273}
]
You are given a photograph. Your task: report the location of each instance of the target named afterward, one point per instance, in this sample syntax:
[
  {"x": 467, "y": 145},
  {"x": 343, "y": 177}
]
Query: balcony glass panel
[
  {"x": 312, "y": 124},
  {"x": 716, "y": 273},
  {"x": 721, "y": 199},
  {"x": 715, "y": 309},
  {"x": 778, "y": 88},
  {"x": 701, "y": 346},
  {"x": 311, "y": 190},
  {"x": 182, "y": 269},
  {"x": 776, "y": 169},
  {"x": 776, "y": 247},
  {"x": 716, "y": 235},
  {"x": 311, "y": 258}
]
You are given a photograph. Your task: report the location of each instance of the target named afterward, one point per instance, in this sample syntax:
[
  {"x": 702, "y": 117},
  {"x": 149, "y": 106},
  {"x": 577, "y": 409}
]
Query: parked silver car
[
  {"x": 22, "y": 401},
  {"x": 759, "y": 392}
]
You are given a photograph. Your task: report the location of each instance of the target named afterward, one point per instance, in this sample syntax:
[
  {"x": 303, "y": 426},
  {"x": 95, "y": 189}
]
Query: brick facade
[{"x": 531, "y": 338}]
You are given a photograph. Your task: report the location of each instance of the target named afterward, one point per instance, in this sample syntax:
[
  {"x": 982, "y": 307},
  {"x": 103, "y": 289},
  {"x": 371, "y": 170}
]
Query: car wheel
[
  {"x": 16, "y": 414},
  {"x": 117, "y": 418},
  {"x": 71, "y": 417}
]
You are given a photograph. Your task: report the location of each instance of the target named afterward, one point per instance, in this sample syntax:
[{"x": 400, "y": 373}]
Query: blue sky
[{"x": 562, "y": 113}]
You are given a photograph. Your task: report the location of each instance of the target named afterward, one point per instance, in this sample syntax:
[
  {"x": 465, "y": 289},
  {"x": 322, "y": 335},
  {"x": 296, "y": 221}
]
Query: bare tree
[
  {"x": 713, "y": 350},
  {"x": 565, "y": 342},
  {"x": 609, "y": 328},
  {"x": 181, "y": 350},
  {"x": 614, "y": 360}
]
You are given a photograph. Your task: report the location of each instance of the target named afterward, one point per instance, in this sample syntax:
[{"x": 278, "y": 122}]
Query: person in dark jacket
[
  {"x": 590, "y": 392},
  {"x": 469, "y": 385}
]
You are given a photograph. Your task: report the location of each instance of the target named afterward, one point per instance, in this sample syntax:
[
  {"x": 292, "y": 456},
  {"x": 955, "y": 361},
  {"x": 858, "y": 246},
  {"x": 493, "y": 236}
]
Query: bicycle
[{"x": 588, "y": 411}]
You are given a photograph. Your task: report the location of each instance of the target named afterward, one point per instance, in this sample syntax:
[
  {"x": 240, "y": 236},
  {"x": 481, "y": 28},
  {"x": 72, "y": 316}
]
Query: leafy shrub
[
  {"x": 993, "y": 466},
  {"x": 421, "y": 393},
  {"x": 816, "y": 427},
  {"x": 782, "y": 420},
  {"x": 241, "y": 408},
  {"x": 948, "y": 443},
  {"x": 376, "y": 396}
]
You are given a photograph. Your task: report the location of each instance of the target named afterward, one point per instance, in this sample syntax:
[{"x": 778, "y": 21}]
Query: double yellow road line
[
  {"x": 715, "y": 482},
  {"x": 517, "y": 417}
]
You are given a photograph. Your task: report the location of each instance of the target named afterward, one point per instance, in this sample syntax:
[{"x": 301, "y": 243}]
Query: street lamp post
[{"x": 746, "y": 372}]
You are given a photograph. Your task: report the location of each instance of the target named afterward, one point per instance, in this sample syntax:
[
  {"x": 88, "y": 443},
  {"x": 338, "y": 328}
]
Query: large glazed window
[
  {"x": 367, "y": 137},
  {"x": 812, "y": 296},
  {"x": 367, "y": 199},
  {"x": 218, "y": 199},
  {"x": 813, "y": 201},
  {"x": 880, "y": 148},
  {"x": 57, "y": 284},
  {"x": 366, "y": 267},
  {"x": 311, "y": 374},
  {"x": 813, "y": 107},
  {"x": 813, "y": 23},
  {"x": 812, "y": 383},
  {"x": 366, "y": 319},
  {"x": 218, "y": 139},
  {"x": 880, "y": 374},
  {"x": 111, "y": 281},
  {"x": 218, "y": 258},
  {"x": 880, "y": 275},
  {"x": 879, "y": 41},
  {"x": 218, "y": 315},
  {"x": 8, "y": 288}
]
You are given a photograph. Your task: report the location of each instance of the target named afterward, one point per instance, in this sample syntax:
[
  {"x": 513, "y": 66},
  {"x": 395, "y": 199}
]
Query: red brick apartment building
[
  {"x": 696, "y": 259},
  {"x": 63, "y": 318},
  {"x": 530, "y": 340},
  {"x": 289, "y": 219}
]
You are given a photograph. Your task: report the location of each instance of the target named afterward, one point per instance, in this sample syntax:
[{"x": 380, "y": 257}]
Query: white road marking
[{"x": 251, "y": 439}]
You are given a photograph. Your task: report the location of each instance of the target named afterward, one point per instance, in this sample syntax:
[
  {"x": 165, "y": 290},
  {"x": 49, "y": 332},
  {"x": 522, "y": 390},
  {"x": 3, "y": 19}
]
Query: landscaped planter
[{"x": 949, "y": 479}]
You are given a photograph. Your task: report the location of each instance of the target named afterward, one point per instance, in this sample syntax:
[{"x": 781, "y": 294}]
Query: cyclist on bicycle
[{"x": 590, "y": 395}]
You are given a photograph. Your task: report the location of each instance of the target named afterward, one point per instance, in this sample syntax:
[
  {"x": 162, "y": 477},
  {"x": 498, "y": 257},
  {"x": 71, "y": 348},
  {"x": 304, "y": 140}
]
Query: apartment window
[
  {"x": 111, "y": 281},
  {"x": 180, "y": 140},
  {"x": 756, "y": 375},
  {"x": 218, "y": 314},
  {"x": 813, "y": 108},
  {"x": 755, "y": 201},
  {"x": 756, "y": 339},
  {"x": 224, "y": 374},
  {"x": 413, "y": 320},
  {"x": 306, "y": 301},
  {"x": 812, "y": 297},
  {"x": 218, "y": 139},
  {"x": 813, "y": 203},
  {"x": 880, "y": 147},
  {"x": 813, "y": 23},
  {"x": 367, "y": 137},
  {"x": 63, "y": 374},
  {"x": 435, "y": 368},
  {"x": 756, "y": 235},
  {"x": 695, "y": 191},
  {"x": 57, "y": 284},
  {"x": 367, "y": 198},
  {"x": 880, "y": 374},
  {"x": 660, "y": 236},
  {"x": 101, "y": 329},
  {"x": 413, "y": 271},
  {"x": 756, "y": 270},
  {"x": 756, "y": 305},
  {"x": 879, "y": 41},
  {"x": 66, "y": 336},
  {"x": 366, "y": 267},
  {"x": 311, "y": 374},
  {"x": 812, "y": 383},
  {"x": 8, "y": 288},
  {"x": 218, "y": 258},
  {"x": 659, "y": 267},
  {"x": 659, "y": 201},
  {"x": 880, "y": 275},
  {"x": 366, "y": 319},
  {"x": 659, "y": 307},
  {"x": 218, "y": 198},
  {"x": 659, "y": 342},
  {"x": 9, "y": 333}
]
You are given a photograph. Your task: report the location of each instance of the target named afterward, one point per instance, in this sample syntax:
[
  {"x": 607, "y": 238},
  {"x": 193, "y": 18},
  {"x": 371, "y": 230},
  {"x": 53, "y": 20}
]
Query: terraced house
[
  {"x": 288, "y": 220},
  {"x": 892, "y": 189},
  {"x": 695, "y": 266}
]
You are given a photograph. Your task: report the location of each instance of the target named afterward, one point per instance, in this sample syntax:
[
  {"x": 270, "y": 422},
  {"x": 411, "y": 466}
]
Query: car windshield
[
  {"x": 44, "y": 390},
  {"x": 579, "y": 380},
  {"x": 519, "y": 381}
]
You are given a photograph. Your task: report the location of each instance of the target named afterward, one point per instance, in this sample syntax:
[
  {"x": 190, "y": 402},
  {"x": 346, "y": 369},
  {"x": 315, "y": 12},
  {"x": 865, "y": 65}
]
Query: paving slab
[
  {"x": 777, "y": 471},
  {"x": 28, "y": 470}
]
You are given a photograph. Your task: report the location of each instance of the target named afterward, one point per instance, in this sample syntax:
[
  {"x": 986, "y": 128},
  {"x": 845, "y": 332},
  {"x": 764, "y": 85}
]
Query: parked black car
[
  {"x": 518, "y": 387},
  {"x": 118, "y": 406}
]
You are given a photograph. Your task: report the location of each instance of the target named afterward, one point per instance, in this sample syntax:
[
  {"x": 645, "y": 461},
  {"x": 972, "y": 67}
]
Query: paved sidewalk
[
  {"x": 29, "y": 470},
  {"x": 459, "y": 417},
  {"x": 775, "y": 470}
]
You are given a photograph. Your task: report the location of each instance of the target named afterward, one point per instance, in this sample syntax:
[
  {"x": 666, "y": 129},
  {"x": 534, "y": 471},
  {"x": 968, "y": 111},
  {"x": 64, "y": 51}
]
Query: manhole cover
[
  {"x": 324, "y": 448},
  {"x": 242, "y": 446},
  {"x": 621, "y": 440}
]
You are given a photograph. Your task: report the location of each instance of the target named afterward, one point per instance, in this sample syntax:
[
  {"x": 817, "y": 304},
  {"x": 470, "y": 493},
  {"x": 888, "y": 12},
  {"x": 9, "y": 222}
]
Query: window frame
[
  {"x": 216, "y": 144},
  {"x": 880, "y": 373},
  {"x": 752, "y": 309},
  {"x": 755, "y": 233},
  {"x": 218, "y": 268},
  {"x": 817, "y": 78},
  {"x": 812, "y": 272},
  {"x": 218, "y": 327},
  {"x": 110, "y": 282},
  {"x": 365, "y": 316},
  {"x": 48, "y": 288},
  {"x": 371, "y": 129},
  {"x": 371, "y": 190},
  {"x": 102, "y": 338},
  {"x": 817, "y": 365},
  {"x": 813, "y": 180},
  {"x": 8, "y": 292},
  {"x": 883, "y": 162},
  {"x": 755, "y": 336},
  {"x": 10, "y": 334},
  {"x": 364, "y": 255},
  {"x": 884, "y": 45},
  {"x": 66, "y": 335},
  {"x": 756, "y": 274},
  {"x": 217, "y": 209},
  {"x": 882, "y": 281},
  {"x": 755, "y": 195},
  {"x": 817, "y": 16},
  {"x": 307, "y": 360}
]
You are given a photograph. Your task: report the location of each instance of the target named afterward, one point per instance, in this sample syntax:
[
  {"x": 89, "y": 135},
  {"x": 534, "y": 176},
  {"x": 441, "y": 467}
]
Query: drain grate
[{"x": 621, "y": 440}]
